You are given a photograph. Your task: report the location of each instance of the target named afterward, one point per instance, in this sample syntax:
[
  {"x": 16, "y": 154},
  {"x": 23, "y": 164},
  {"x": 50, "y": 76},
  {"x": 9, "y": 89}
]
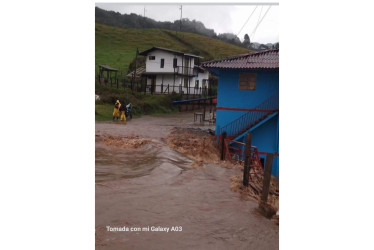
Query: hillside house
[
  {"x": 248, "y": 99},
  {"x": 174, "y": 71}
]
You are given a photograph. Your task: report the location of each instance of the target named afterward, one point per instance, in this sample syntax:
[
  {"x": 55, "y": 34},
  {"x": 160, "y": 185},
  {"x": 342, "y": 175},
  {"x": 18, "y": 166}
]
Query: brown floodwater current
[{"x": 154, "y": 186}]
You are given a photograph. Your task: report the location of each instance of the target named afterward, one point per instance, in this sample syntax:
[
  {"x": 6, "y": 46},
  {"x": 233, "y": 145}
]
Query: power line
[
  {"x": 247, "y": 21},
  {"x": 260, "y": 22}
]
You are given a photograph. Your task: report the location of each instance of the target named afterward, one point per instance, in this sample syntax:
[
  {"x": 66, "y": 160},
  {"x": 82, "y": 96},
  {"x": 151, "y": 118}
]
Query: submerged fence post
[
  {"x": 247, "y": 159},
  {"x": 222, "y": 145},
  {"x": 267, "y": 176}
]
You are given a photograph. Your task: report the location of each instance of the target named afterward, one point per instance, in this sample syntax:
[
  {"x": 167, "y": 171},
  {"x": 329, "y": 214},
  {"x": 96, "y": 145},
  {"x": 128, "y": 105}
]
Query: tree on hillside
[
  {"x": 230, "y": 38},
  {"x": 246, "y": 41}
]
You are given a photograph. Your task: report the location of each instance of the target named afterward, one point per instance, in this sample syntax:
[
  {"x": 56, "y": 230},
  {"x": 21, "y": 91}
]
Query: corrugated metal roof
[
  {"x": 268, "y": 59},
  {"x": 139, "y": 71},
  {"x": 108, "y": 68},
  {"x": 145, "y": 52}
]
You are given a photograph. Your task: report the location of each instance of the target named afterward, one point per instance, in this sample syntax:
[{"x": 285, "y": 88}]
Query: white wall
[
  {"x": 155, "y": 65},
  {"x": 201, "y": 77}
]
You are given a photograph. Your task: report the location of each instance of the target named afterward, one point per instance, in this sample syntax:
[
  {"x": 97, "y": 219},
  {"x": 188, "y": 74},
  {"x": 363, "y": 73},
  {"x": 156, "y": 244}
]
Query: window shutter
[{"x": 247, "y": 81}]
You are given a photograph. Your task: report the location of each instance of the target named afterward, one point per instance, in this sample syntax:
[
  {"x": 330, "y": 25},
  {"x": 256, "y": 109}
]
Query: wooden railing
[{"x": 187, "y": 71}]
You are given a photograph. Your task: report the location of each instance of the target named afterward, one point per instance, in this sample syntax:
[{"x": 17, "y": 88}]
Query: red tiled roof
[{"x": 268, "y": 59}]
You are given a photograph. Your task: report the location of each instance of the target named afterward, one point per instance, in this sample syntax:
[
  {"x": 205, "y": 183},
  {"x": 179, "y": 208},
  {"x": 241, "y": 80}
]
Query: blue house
[{"x": 248, "y": 100}]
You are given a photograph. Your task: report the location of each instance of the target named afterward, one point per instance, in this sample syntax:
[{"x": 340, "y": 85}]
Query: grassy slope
[{"x": 116, "y": 47}]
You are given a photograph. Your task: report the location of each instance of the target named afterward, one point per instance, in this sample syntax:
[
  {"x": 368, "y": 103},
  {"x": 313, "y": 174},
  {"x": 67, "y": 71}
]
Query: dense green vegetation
[
  {"x": 116, "y": 47},
  {"x": 132, "y": 20}
]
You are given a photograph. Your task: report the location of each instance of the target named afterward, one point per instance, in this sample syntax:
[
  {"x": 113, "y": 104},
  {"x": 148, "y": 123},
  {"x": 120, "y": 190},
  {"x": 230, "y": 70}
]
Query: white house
[{"x": 170, "y": 71}]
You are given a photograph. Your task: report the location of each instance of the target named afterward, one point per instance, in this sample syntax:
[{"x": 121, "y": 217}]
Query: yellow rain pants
[{"x": 123, "y": 117}]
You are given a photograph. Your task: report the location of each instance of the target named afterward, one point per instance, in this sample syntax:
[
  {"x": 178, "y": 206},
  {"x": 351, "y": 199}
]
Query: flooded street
[{"x": 153, "y": 185}]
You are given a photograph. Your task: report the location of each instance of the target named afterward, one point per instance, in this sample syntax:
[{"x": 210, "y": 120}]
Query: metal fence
[{"x": 143, "y": 87}]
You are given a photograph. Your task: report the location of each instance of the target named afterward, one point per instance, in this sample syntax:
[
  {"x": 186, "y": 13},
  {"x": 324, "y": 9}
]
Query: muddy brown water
[{"x": 155, "y": 186}]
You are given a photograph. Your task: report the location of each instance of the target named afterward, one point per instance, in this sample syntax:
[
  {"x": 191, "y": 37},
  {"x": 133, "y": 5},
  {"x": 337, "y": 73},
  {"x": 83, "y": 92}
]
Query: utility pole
[
  {"x": 144, "y": 18},
  {"x": 180, "y": 27}
]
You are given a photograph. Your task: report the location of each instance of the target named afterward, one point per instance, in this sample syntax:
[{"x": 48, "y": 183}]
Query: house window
[
  {"x": 247, "y": 81},
  {"x": 196, "y": 84},
  {"x": 162, "y": 63},
  {"x": 152, "y": 57},
  {"x": 175, "y": 62}
]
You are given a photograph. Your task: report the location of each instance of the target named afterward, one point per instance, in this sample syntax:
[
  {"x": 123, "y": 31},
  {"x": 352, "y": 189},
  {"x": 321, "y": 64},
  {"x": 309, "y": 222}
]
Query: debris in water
[
  {"x": 195, "y": 143},
  {"x": 124, "y": 142},
  {"x": 254, "y": 189}
]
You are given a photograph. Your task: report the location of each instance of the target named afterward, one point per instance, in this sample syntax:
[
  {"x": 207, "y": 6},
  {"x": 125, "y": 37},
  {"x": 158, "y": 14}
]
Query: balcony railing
[{"x": 187, "y": 71}]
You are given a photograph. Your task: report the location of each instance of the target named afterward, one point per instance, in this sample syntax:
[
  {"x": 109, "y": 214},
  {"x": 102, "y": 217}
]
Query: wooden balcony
[{"x": 185, "y": 71}]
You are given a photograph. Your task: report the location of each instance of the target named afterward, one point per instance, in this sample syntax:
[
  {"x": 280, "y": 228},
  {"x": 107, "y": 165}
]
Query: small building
[
  {"x": 248, "y": 99},
  {"x": 174, "y": 71},
  {"x": 105, "y": 74}
]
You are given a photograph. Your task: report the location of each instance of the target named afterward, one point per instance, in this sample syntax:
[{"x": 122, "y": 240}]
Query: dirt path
[{"x": 150, "y": 184}]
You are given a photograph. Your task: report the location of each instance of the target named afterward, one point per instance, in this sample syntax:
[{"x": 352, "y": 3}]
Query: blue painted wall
[
  {"x": 230, "y": 96},
  {"x": 266, "y": 139},
  {"x": 266, "y": 136}
]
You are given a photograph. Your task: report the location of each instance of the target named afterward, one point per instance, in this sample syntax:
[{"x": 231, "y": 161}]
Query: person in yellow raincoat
[
  {"x": 122, "y": 109},
  {"x": 117, "y": 106}
]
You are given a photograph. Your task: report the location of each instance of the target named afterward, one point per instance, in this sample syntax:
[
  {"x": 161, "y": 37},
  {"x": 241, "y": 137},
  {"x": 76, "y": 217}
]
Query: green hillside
[{"x": 116, "y": 47}]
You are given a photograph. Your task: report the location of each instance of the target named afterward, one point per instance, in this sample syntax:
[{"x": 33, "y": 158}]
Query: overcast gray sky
[{"x": 221, "y": 18}]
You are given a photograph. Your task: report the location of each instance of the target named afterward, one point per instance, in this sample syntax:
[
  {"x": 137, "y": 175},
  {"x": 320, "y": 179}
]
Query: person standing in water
[
  {"x": 117, "y": 106},
  {"x": 122, "y": 109}
]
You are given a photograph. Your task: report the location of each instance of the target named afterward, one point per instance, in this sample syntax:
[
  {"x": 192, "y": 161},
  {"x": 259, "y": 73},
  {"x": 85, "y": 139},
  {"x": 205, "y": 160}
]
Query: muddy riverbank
[{"x": 155, "y": 184}]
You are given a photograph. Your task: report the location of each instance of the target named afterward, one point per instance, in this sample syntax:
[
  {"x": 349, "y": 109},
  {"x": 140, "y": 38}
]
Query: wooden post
[
  {"x": 222, "y": 145},
  {"x": 247, "y": 159},
  {"x": 210, "y": 104},
  {"x": 267, "y": 176},
  {"x": 204, "y": 112}
]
